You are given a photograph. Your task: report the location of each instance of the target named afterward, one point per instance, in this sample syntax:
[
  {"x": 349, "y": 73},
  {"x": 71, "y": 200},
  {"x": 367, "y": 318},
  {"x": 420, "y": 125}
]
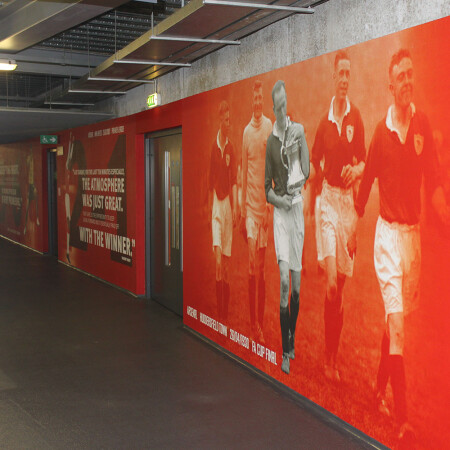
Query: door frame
[{"x": 149, "y": 158}]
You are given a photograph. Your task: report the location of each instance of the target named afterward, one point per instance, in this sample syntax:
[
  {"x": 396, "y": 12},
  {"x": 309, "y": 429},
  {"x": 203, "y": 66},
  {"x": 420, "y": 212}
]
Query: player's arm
[
  {"x": 370, "y": 171},
  {"x": 284, "y": 201},
  {"x": 235, "y": 203},
  {"x": 234, "y": 188},
  {"x": 433, "y": 176},
  {"x": 304, "y": 154},
  {"x": 317, "y": 155},
  {"x": 212, "y": 175},
  {"x": 244, "y": 175},
  {"x": 312, "y": 171},
  {"x": 440, "y": 205},
  {"x": 353, "y": 172}
]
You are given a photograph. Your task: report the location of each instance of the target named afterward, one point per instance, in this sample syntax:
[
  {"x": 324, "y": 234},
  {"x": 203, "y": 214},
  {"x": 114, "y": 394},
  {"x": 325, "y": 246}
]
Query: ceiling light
[{"x": 6, "y": 64}]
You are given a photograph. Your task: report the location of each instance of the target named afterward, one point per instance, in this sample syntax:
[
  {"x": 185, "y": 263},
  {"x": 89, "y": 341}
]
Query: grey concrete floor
[{"x": 86, "y": 366}]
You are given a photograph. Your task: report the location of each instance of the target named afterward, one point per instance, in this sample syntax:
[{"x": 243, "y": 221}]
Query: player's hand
[
  {"x": 294, "y": 133},
  {"x": 243, "y": 213},
  {"x": 348, "y": 175},
  {"x": 351, "y": 245},
  {"x": 265, "y": 219},
  {"x": 243, "y": 227},
  {"x": 285, "y": 202},
  {"x": 235, "y": 216}
]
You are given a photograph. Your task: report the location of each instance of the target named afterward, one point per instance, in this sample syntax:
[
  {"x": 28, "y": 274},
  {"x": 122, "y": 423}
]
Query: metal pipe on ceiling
[
  {"x": 88, "y": 91},
  {"x": 68, "y": 103},
  {"x": 120, "y": 80},
  {"x": 294, "y": 9},
  {"x": 150, "y": 63},
  {"x": 192, "y": 39}
]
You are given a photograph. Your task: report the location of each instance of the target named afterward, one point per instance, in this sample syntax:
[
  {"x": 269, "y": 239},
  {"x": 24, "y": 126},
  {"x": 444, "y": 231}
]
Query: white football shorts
[
  {"x": 256, "y": 232},
  {"x": 222, "y": 224},
  {"x": 397, "y": 259},
  {"x": 338, "y": 221},
  {"x": 318, "y": 232},
  {"x": 289, "y": 234}
]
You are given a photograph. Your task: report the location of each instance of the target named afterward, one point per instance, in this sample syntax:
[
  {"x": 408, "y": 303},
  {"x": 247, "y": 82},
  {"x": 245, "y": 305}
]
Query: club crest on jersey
[
  {"x": 227, "y": 160},
  {"x": 350, "y": 131},
  {"x": 418, "y": 144}
]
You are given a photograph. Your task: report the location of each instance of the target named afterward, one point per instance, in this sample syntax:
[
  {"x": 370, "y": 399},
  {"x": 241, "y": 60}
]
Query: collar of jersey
[
  {"x": 390, "y": 124},
  {"x": 218, "y": 143},
  {"x": 331, "y": 115},
  {"x": 275, "y": 129}
]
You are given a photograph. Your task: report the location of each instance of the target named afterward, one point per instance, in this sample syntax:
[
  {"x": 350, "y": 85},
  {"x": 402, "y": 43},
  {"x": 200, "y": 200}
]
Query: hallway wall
[
  {"x": 23, "y": 193},
  {"x": 106, "y": 161}
]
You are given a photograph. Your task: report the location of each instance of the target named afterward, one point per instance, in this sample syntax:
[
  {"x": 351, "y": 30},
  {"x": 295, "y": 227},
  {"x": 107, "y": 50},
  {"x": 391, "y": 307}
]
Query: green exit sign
[
  {"x": 153, "y": 100},
  {"x": 49, "y": 139}
]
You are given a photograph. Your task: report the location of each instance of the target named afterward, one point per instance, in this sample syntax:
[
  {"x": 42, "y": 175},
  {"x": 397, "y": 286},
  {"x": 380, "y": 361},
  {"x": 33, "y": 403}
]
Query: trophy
[{"x": 296, "y": 179}]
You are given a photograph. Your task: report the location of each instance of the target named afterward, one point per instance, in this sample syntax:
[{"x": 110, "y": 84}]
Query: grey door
[{"x": 164, "y": 219}]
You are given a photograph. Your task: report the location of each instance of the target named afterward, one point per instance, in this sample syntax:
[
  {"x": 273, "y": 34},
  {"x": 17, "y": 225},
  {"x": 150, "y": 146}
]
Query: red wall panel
[
  {"x": 119, "y": 145},
  {"x": 310, "y": 87},
  {"x": 23, "y": 209}
]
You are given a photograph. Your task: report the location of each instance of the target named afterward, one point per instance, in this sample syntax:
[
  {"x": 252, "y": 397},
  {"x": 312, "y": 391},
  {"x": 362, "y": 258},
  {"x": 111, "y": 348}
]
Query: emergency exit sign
[
  {"x": 153, "y": 100},
  {"x": 49, "y": 139}
]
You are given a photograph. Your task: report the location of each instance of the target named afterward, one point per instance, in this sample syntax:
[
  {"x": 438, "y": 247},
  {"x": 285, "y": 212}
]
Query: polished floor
[{"x": 86, "y": 366}]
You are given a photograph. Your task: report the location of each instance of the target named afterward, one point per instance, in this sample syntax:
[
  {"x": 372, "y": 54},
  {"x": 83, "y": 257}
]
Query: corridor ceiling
[{"x": 72, "y": 54}]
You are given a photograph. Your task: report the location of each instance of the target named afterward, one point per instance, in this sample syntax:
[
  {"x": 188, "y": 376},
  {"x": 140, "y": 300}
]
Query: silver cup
[{"x": 296, "y": 179}]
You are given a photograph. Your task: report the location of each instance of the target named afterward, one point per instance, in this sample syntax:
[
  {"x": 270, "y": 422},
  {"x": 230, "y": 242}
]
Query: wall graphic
[
  {"x": 21, "y": 202},
  {"x": 341, "y": 293},
  {"x": 94, "y": 204},
  {"x": 356, "y": 322}
]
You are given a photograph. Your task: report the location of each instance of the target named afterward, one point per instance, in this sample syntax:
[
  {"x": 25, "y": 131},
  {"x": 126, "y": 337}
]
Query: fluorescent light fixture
[
  {"x": 194, "y": 39},
  {"x": 121, "y": 80},
  {"x": 150, "y": 63},
  {"x": 68, "y": 103},
  {"x": 86, "y": 91},
  {"x": 259, "y": 6},
  {"x": 6, "y": 64}
]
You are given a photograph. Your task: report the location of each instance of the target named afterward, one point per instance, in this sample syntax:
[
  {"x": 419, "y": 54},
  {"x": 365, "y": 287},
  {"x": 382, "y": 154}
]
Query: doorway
[
  {"x": 164, "y": 219},
  {"x": 52, "y": 204}
]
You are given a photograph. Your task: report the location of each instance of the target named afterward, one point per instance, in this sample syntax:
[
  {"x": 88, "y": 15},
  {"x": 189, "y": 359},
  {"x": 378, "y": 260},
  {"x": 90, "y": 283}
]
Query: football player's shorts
[
  {"x": 338, "y": 221},
  {"x": 289, "y": 233},
  {"x": 397, "y": 265},
  {"x": 318, "y": 231},
  {"x": 257, "y": 232},
  {"x": 222, "y": 224}
]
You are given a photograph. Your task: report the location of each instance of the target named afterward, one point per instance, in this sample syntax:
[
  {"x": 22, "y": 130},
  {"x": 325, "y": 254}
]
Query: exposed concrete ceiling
[
  {"x": 61, "y": 45},
  {"x": 24, "y": 24},
  {"x": 54, "y": 43},
  {"x": 24, "y": 123}
]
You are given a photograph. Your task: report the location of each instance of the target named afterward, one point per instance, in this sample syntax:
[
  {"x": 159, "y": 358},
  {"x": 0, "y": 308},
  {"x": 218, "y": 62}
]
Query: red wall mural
[
  {"x": 366, "y": 342},
  {"x": 97, "y": 202},
  {"x": 365, "y": 334},
  {"x": 23, "y": 212}
]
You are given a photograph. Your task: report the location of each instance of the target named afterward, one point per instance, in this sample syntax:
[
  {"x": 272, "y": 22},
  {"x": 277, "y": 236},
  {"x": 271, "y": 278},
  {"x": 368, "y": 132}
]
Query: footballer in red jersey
[
  {"x": 255, "y": 209},
  {"x": 339, "y": 146},
  {"x": 222, "y": 184},
  {"x": 402, "y": 154}
]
